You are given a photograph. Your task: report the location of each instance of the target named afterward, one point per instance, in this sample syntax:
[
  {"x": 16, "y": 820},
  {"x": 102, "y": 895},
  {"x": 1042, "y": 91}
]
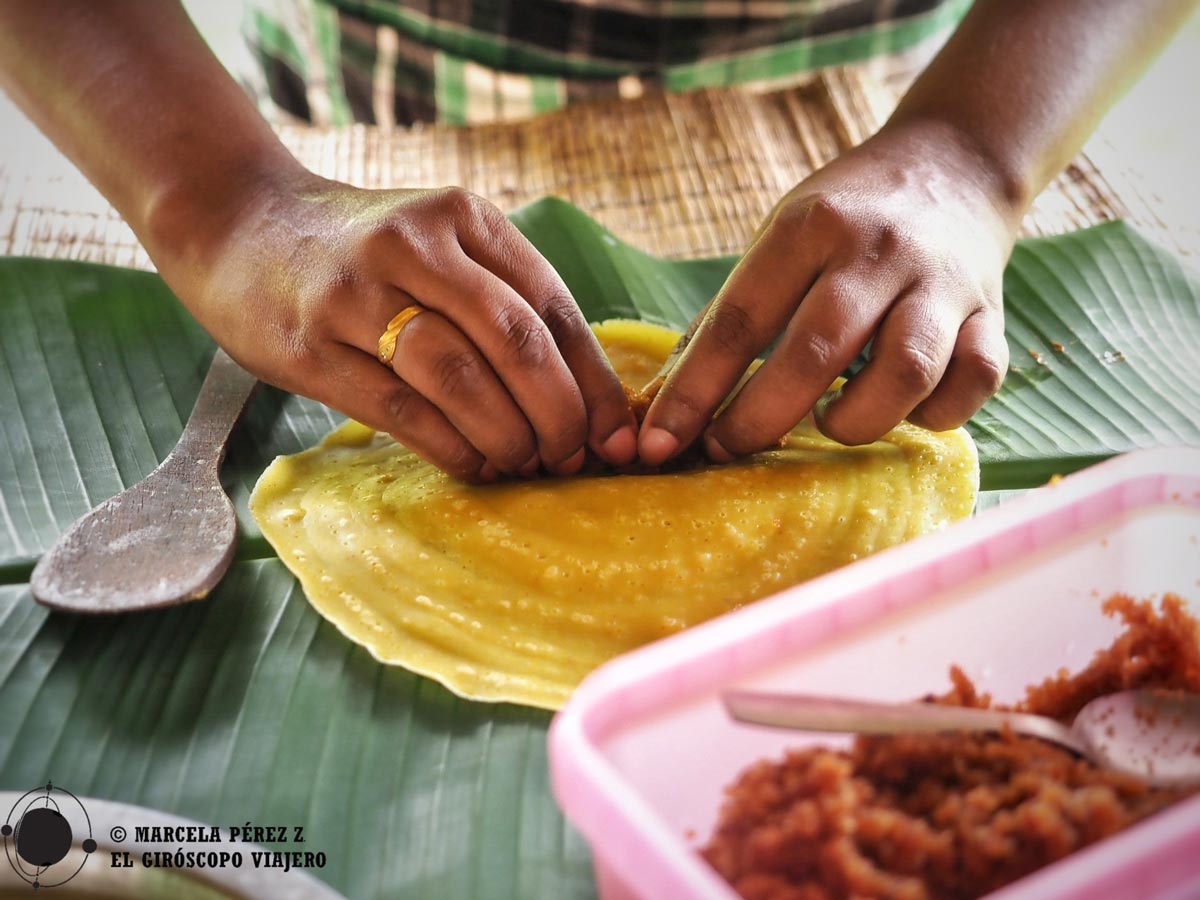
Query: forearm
[
  {"x": 297, "y": 276},
  {"x": 131, "y": 93},
  {"x": 1022, "y": 83}
]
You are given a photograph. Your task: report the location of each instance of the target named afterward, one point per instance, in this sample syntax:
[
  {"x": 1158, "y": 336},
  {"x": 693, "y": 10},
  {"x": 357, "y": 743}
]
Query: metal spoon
[
  {"x": 1154, "y": 735},
  {"x": 171, "y": 536}
]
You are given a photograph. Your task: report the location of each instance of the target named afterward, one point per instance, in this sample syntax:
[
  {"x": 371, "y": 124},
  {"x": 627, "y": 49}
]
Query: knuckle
[
  {"x": 683, "y": 400},
  {"x": 793, "y": 217},
  {"x": 471, "y": 210},
  {"x": 884, "y": 239},
  {"x": 526, "y": 340},
  {"x": 560, "y": 313},
  {"x": 456, "y": 372},
  {"x": 514, "y": 452},
  {"x": 815, "y": 350},
  {"x": 817, "y": 211},
  {"x": 462, "y": 461},
  {"x": 828, "y": 206},
  {"x": 456, "y": 200},
  {"x": 396, "y": 238},
  {"x": 385, "y": 229},
  {"x": 914, "y": 366},
  {"x": 400, "y": 405},
  {"x": 301, "y": 340},
  {"x": 289, "y": 333},
  {"x": 987, "y": 369},
  {"x": 731, "y": 327}
]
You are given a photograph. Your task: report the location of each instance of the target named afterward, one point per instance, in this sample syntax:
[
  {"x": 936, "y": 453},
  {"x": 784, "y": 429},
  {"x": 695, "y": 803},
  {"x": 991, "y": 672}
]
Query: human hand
[
  {"x": 501, "y": 374},
  {"x": 901, "y": 242}
]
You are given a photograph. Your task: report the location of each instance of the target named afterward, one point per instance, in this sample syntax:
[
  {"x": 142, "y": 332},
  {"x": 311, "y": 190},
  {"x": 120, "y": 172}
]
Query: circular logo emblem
[{"x": 38, "y": 833}]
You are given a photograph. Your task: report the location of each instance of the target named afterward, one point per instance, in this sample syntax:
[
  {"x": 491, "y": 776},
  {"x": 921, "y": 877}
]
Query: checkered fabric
[{"x": 389, "y": 62}]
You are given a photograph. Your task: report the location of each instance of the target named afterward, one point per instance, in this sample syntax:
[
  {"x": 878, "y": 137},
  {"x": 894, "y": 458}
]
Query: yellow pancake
[{"x": 516, "y": 591}]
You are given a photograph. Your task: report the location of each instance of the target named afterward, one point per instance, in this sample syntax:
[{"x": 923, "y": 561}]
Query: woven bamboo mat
[{"x": 677, "y": 175}]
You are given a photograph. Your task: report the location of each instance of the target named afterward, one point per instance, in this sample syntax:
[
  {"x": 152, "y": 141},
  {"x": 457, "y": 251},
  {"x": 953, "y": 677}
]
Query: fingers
[
  {"x": 508, "y": 366},
  {"x": 976, "y": 371},
  {"x": 436, "y": 359},
  {"x": 516, "y": 342},
  {"x": 363, "y": 389},
  {"x": 518, "y": 347},
  {"x": 908, "y": 358},
  {"x": 834, "y": 322},
  {"x": 501, "y": 249},
  {"x": 752, "y": 307}
]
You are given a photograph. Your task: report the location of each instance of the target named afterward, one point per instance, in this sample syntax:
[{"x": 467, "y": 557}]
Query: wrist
[
  {"x": 186, "y": 222},
  {"x": 1008, "y": 189}
]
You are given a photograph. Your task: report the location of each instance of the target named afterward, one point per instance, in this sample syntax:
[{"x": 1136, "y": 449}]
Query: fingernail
[
  {"x": 716, "y": 452},
  {"x": 621, "y": 446},
  {"x": 530, "y": 467},
  {"x": 656, "y": 445},
  {"x": 488, "y": 472},
  {"x": 572, "y": 464}
]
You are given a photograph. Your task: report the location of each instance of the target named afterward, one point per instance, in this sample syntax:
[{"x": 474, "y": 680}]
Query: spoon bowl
[
  {"x": 167, "y": 539},
  {"x": 1152, "y": 734},
  {"x": 171, "y": 536}
]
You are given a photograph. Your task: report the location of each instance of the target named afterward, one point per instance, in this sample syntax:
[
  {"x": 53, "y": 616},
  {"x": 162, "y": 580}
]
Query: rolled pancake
[{"x": 515, "y": 591}]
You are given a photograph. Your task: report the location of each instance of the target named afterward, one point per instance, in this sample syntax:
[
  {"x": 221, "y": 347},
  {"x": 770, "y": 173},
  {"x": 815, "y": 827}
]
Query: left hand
[{"x": 901, "y": 242}]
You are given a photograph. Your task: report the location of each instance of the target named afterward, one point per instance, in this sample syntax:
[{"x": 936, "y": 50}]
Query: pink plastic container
[{"x": 640, "y": 755}]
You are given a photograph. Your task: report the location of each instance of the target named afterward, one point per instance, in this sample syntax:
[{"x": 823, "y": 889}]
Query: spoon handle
[
  {"x": 223, "y": 399},
  {"x": 808, "y": 713}
]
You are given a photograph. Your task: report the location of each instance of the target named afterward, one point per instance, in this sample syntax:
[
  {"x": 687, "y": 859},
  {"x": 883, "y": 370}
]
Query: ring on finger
[{"x": 387, "y": 340}]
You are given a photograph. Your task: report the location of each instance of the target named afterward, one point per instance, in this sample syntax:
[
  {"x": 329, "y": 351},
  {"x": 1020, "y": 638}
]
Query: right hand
[{"x": 501, "y": 375}]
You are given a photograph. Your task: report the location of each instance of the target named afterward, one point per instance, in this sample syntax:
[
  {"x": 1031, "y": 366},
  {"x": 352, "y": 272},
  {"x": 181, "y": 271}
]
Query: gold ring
[{"x": 387, "y": 340}]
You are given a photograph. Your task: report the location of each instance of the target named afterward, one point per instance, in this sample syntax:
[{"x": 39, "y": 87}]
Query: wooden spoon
[
  {"x": 1154, "y": 735},
  {"x": 171, "y": 536}
]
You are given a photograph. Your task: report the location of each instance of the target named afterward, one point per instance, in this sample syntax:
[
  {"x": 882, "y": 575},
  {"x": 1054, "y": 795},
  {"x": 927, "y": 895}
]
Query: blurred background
[{"x": 1155, "y": 128}]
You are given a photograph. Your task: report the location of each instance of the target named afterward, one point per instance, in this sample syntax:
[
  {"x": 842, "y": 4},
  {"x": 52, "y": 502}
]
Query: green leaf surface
[
  {"x": 248, "y": 706},
  {"x": 251, "y": 707}
]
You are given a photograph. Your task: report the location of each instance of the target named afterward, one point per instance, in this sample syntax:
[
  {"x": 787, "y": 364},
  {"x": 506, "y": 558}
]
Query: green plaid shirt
[{"x": 467, "y": 61}]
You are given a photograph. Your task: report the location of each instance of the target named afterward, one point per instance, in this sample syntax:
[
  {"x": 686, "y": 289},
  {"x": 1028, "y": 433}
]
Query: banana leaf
[{"x": 248, "y": 706}]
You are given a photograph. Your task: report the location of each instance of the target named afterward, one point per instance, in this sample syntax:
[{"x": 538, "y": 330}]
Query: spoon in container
[{"x": 1154, "y": 735}]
